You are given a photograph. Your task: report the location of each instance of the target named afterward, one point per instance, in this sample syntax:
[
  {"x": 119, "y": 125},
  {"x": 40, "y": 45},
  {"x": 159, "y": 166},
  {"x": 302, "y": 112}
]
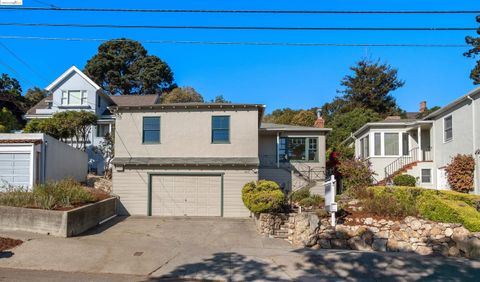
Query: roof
[
  {"x": 193, "y": 105},
  {"x": 465, "y": 97},
  {"x": 186, "y": 161},
  {"x": 399, "y": 122},
  {"x": 135, "y": 100},
  {"x": 265, "y": 126},
  {"x": 40, "y": 105},
  {"x": 21, "y": 138},
  {"x": 67, "y": 73}
]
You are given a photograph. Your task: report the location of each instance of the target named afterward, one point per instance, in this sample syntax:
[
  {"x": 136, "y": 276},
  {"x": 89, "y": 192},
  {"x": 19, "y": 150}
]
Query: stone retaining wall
[
  {"x": 408, "y": 235},
  {"x": 57, "y": 223}
]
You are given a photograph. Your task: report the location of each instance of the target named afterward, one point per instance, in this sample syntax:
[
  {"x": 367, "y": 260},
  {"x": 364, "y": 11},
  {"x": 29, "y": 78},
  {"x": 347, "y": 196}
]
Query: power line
[
  {"x": 16, "y": 73},
  {"x": 292, "y": 44},
  {"x": 212, "y": 11},
  {"x": 239, "y": 27},
  {"x": 23, "y": 62}
]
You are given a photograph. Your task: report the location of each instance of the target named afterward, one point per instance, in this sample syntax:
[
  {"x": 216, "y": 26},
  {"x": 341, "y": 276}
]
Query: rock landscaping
[{"x": 410, "y": 234}]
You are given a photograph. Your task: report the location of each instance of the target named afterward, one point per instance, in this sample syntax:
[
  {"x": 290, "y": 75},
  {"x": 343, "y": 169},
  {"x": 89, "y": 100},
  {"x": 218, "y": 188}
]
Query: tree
[
  {"x": 304, "y": 118},
  {"x": 370, "y": 87},
  {"x": 8, "y": 121},
  {"x": 107, "y": 150},
  {"x": 344, "y": 124},
  {"x": 10, "y": 86},
  {"x": 35, "y": 95},
  {"x": 220, "y": 99},
  {"x": 67, "y": 126},
  {"x": 123, "y": 67},
  {"x": 473, "y": 53},
  {"x": 182, "y": 95}
]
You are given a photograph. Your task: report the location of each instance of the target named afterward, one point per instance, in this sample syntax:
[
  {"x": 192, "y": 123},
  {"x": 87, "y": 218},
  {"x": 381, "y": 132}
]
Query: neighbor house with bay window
[{"x": 422, "y": 147}]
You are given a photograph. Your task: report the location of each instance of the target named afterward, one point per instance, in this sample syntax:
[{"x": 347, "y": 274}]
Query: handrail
[{"x": 401, "y": 162}]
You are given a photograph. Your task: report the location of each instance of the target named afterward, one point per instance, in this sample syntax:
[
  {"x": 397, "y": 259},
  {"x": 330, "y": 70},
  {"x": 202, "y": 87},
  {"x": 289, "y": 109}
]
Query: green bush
[
  {"x": 356, "y": 176},
  {"x": 437, "y": 209},
  {"x": 300, "y": 194},
  {"x": 404, "y": 180},
  {"x": 262, "y": 196},
  {"x": 392, "y": 201},
  {"x": 311, "y": 201}
]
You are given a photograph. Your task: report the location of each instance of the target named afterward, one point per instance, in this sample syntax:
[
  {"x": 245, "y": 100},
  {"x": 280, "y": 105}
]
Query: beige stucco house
[
  {"x": 193, "y": 159},
  {"x": 423, "y": 147}
]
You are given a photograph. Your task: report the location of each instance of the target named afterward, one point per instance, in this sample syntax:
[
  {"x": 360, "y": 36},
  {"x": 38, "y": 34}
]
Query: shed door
[
  {"x": 15, "y": 169},
  {"x": 186, "y": 195}
]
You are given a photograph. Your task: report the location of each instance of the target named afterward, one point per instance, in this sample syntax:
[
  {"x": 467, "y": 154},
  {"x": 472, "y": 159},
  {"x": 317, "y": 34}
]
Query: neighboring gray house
[
  {"x": 75, "y": 91},
  {"x": 27, "y": 159},
  {"x": 423, "y": 147},
  {"x": 193, "y": 159}
]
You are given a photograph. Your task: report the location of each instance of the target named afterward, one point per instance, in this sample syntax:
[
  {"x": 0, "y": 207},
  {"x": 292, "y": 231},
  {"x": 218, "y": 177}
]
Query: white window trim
[
  {"x": 66, "y": 95},
  {"x": 371, "y": 135},
  {"x": 421, "y": 175},
  {"x": 444, "y": 133}
]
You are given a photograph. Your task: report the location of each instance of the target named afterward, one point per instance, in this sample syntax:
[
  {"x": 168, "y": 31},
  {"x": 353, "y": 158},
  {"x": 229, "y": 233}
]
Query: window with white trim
[
  {"x": 426, "y": 175},
  {"x": 74, "y": 97},
  {"x": 391, "y": 144},
  {"x": 377, "y": 143},
  {"x": 447, "y": 129},
  {"x": 364, "y": 147}
]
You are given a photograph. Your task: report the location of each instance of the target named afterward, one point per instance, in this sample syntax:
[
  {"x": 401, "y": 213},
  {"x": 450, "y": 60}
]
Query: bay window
[{"x": 391, "y": 144}]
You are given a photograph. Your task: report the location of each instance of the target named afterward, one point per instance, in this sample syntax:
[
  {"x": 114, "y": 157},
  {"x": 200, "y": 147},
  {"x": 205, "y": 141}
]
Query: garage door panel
[
  {"x": 186, "y": 195},
  {"x": 15, "y": 169}
]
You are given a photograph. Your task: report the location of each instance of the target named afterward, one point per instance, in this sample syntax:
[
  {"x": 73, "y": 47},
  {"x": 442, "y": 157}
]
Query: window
[
  {"x": 151, "y": 130},
  {"x": 378, "y": 144},
  {"x": 74, "y": 97},
  {"x": 426, "y": 175},
  {"x": 391, "y": 146},
  {"x": 448, "y": 129},
  {"x": 102, "y": 130},
  {"x": 364, "y": 148},
  {"x": 405, "y": 144},
  {"x": 99, "y": 101},
  {"x": 220, "y": 129},
  {"x": 298, "y": 149}
]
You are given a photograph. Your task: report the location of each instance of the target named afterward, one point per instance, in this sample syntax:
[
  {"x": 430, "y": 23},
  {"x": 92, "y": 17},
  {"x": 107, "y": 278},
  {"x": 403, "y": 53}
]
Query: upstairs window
[
  {"x": 298, "y": 149},
  {"x": 220, "y": 129},
  {"x": 151, "y": 130},
  {"x": 448, "y": 129},
  {"x": 74, "y": 97}
]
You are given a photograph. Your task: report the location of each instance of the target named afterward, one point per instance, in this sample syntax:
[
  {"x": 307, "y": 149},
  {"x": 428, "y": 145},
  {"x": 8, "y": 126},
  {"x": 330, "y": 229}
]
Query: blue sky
[{"x": 295, "y": 77}]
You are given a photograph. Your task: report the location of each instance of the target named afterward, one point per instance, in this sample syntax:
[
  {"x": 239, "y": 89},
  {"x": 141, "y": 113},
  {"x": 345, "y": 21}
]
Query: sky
[{"x": 277, "y": 76}]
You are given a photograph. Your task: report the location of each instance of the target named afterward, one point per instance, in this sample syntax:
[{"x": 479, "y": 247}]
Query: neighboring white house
[
  {"x": 423, "y": 147},
  {"x": 193, "y": 159},
  {"x": 75, "y": 91},
  {"x": 27, "y": 159}
]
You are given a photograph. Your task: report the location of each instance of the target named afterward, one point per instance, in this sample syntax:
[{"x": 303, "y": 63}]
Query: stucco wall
[
  {"x": 63, "y": 161},
  {"x": 131, "y": 186},
  {"x": 187, "y": 133}
]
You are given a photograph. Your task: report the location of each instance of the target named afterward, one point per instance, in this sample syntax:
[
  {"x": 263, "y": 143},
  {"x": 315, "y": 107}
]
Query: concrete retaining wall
[{"x": 57, "y": 223}]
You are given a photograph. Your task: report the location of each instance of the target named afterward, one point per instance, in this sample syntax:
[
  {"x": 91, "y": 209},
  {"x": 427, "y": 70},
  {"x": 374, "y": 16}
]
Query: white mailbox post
[{"x": 330, "y": 193}]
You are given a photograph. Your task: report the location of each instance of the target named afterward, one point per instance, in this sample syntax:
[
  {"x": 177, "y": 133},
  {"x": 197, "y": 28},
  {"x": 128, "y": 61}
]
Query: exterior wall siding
[{"x": 131, "y": 186}]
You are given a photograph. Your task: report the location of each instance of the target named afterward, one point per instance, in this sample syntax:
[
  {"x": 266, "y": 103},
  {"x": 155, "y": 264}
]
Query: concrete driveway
[{"x": 216, "y": 249}]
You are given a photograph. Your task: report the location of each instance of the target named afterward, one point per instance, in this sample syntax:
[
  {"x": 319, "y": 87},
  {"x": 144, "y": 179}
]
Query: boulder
[
  {"x": 415, "y": 224},
  {"x": 379, "y": 244},
  {"x": 338, "y": 243},
  {"x": 424, "y": 250},
  {"x": 368, "y": 221},
  {"x": 358, "y": 243}
]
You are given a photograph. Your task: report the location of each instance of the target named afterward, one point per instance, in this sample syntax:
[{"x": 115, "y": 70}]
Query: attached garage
[
  {"x": 186, "y": 194},
  {"x": 15, "y": 168}
]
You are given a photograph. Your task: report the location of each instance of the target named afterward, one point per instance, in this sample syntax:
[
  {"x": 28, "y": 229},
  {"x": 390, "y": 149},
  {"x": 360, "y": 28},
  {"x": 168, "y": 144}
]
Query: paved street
[{"x": 211, "y": 249}]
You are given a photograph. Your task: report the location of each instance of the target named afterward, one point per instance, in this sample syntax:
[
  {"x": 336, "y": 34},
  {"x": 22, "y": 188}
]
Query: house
[
  {"x": 75, "y": 91},
  {"x": 423, "y": 147},
  {"x": 193, "y": 159},
  {"x": 27, "y": 159}
]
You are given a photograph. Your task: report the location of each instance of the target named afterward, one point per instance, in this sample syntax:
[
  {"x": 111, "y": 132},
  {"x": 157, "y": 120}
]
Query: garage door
[
  {"x": 186, "y": 195},
  {"x": 15, "y": 169}
]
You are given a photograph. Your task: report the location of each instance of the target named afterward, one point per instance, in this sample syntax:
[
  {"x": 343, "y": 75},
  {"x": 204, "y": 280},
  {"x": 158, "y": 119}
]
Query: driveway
[{"x": 216, "y": 249}]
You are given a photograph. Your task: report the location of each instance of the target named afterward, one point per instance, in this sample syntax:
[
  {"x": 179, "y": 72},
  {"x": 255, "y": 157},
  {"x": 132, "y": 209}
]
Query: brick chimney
[
  {"x": 320, "y": 122},
  {"x": 423, "y": 106}
]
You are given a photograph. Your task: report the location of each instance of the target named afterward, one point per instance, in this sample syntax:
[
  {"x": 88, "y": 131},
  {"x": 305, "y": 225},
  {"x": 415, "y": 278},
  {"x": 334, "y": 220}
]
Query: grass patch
[{"x": 62, "y": 194}]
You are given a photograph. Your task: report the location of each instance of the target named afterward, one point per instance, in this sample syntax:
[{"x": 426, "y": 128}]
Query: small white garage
[
  {"x": 186, "y": 194},
  {"x": 27, "y": 159}
]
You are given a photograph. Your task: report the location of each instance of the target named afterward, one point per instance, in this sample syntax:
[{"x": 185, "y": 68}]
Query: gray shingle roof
[
  {"x": 186, "y": 161},
  {"x": 135, "y": 100},
  {"x": 287, "y": 127}
]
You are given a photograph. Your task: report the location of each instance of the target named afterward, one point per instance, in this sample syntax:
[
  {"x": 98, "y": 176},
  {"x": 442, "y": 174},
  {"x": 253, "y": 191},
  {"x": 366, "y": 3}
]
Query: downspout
[
  {"x": 474, "y": 141},
  {"x": 44, "y": 160}
]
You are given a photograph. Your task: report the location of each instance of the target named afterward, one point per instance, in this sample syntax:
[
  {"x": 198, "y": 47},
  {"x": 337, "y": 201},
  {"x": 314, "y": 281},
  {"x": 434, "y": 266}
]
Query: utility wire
[
  {"x": 212, "y": 11},
  {"x": 292, "y": 44},
  {"x": 23, "y": 62},
  {"x": 15, "y": 72},
  {"x": 239, "y": 27}
]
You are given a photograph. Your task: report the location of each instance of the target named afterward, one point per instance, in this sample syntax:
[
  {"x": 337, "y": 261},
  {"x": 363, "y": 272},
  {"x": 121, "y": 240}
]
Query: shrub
[
  {"x": 460, "y": 173},
  {"x": 356, "y": 176},
  {"x": 262, "y": 196},
  {"x": 437, "y": 209},
  {"x": 300, "y": 194},
  {"x": 311, "y": 201},
  {"x": 404, "y": 180},
  {"x": 392, "y": 201}
]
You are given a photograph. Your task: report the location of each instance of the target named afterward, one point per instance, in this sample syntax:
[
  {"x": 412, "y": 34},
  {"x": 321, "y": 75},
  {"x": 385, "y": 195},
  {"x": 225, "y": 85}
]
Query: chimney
[
  {"x": 423, "y": 106},
  {"x": 320, "y": 123}
]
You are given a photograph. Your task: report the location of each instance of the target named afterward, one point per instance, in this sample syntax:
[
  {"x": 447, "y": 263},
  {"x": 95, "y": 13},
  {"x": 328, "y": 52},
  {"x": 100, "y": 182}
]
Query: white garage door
[
  {"x": 15, "y": 169},
  {"x": 186, "y": 195}
]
